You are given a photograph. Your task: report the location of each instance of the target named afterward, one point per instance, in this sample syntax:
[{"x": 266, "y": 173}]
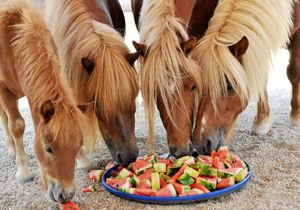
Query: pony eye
[
  {"x": 49, "y": 150},
  {"x": 229, "y": 87}
]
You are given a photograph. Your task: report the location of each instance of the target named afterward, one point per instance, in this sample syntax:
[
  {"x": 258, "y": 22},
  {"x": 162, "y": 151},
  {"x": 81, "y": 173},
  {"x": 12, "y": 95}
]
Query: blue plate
[{"x": 173, "y": 200}]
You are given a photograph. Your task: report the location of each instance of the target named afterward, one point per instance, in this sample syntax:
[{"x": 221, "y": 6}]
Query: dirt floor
[{"x": 275, "y": 159}]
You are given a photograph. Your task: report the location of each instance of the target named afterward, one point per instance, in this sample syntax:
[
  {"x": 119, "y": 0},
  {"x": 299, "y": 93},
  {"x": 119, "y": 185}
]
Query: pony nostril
[
  {"x": 61, "y": 198},
  {"x": 207, "y": 146},
  {"x": 173, "y": 150}
]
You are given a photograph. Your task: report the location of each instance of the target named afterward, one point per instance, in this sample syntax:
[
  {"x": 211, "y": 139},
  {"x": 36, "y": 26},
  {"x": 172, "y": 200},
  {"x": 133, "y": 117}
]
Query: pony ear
[
  {"x": 240, "y": 48},
  {"x": 88, "y": 64},
  {"x": 85, "y": 107},
  {"x": 132, "y": 57},
  {"x": 140, "y": 47},
  {"x": 189, "y": 45},
  {"x": 47, "y": 111}
]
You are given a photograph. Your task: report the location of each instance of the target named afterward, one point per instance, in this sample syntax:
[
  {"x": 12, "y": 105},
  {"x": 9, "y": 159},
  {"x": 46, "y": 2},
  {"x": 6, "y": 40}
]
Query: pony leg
[
  {"x": 82, "y": 161},
  {"x": 262, "y": 123},
  {"x": 293, "y": 73},
  {"x": 9, "y": 139},
  {"x": 16, "y": 127}
]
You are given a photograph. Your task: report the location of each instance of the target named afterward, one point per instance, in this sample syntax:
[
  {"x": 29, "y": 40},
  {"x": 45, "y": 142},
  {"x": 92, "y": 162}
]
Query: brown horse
[
  {"x": 230, "y": 54},
  {"x": 29, "y": 67},
  {"x": 98, "y": 66},
  {"x": 169, "y": 78}
]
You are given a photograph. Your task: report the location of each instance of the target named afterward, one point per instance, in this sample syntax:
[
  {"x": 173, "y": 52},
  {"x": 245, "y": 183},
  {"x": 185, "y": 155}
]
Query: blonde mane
[
  {"x": 265, "y": 23},
  {"x": 38, "y": 69},
  {"x": 113, "y": 83},
  {"x": 165, "y": 65}
]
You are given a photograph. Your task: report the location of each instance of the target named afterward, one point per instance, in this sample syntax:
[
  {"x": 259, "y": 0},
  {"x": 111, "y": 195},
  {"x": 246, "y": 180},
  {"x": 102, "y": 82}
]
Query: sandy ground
[{"x": 275, "y": 159}]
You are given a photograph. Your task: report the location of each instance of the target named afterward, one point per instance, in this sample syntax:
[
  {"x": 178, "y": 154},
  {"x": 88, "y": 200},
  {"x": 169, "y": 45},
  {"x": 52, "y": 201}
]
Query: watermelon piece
[
  {"x": 217, "y": 163},
  {"x": 124, "y": 173},
  {"x": 203, "y": 159},
  {"x": 166, "y": 161},
  {"x": 238, "y": 164},
  {"x": 197, "y": 165},
  {"x": 145, "y": 184},
  {"x": 178, "y": 174},
  {"x": 141, "y": 165},
  {"x": 206, "y": 170},
  {"x": 183, "y": 159},
  {"x": 160, "y": 167},
  {"x": 155, "y": 181},
  {"x": 192, "y": 192},
  {"x": 68, "y": 206},
  {"x": 227, "y": 165},
  {"x": 190, "y": 161},
  {"x": 224, "y": 183},
  {"x": 186, "y": 179},
  {"x": 213, "y": 153},
  {"x": 224, "y": 173},
  {"x": 199, "y": 187},
  {"x": 191, "y": 172},
  {"x": 136, "y": 180},
  {"x": 151, "y": 159},
  {"x": 91, "y": 188},
  {"x": 241, "y": 175},
  {"x": 96, "y": 175},
  {"x": 144, "y": 192},
  {"x": 223, "y": 153},
  {"x": 162, "y": 182},
  {"x": 126, "y": 186},
  {"x": 115, "y": 183},
  {"x": 146, "y": 174},
  {"x": 209, "y": 182},
  {"x": 164, "y": 177},
  {"x": 180, "y": 188},
  {"x": 167, "y": 191},
  {"x": 172, "y": 170}
]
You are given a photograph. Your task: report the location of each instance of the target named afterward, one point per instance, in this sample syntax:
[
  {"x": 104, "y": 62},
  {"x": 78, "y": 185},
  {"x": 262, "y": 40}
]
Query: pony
[
  {"x": 235, "y": 53},
  {"x": 99, "y": 67},
  {"x": 29, "y": 66},
  {"x": 169, "y": 78}
]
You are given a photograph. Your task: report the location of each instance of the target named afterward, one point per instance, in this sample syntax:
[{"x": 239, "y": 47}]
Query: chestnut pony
[
  {"x": 235, "y": 53},
  {"x": 169, "y": 77},
  {"x": 98, "y": 66},
  {"x": 29, "y": 66}
]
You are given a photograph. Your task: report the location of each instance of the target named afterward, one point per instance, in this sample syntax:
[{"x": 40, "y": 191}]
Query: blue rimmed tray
[{"x": 173, "y": 200}]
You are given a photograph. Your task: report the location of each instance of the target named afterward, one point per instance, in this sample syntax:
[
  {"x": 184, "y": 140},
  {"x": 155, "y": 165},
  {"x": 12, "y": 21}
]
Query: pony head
[
  {"x": 169, "y": 77},
  {"x": 235, "y": 55}
]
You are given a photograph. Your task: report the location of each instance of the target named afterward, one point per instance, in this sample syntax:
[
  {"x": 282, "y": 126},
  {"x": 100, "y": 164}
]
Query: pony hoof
[
  {"x": 263, "y": 127},
  {"x": 84, "y": 164},
  {"x": 295, "y": 122},
  {"x": 22, "y": 180}
]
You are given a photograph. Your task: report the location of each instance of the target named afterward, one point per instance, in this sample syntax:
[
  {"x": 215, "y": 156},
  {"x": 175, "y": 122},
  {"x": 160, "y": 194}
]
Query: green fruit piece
[
  {"x": 190, "y": 161},
  {"x": 164, "y": 177},
  {"x": 186, "y": 179},
  {"x": 191, "y": 172},
  {"x": 184, "y": 158},
  {"x": 160, "y": 167},
  {"x": 240, "y": 176},
  {"x": 206, "y": 170},
  {"x": 155, "y": 181},
  {"x": 226, "y": 173},
  {"x": 125, "y": 187},
  {"x": 124, "y": 173}
]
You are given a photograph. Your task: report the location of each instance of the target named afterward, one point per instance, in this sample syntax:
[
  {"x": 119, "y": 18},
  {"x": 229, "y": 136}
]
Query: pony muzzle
[
  {"x": 59, "y": 193},
  {"x": 179, "y": 152}
]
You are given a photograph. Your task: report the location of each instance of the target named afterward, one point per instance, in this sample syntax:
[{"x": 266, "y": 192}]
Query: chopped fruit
[
  {"x": 155, "y": 181},
  {"x": 167, "y": 191},
  {"x": 206, "y": 170},
  {"x": 160, "y": 167},
  {"x": 186, "y": 179},
  {"x": 209, "y": 183},
  {"x": 91, "y": 188},
  {"x": 224, "y": 183},
  {"x": 187, "y": 176},
  {"x": 96, "y": 175},
  {"x": 68, "y": 206},
  {"x": 124, "y": 173},
  {"x": 191, "y": 172}
]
